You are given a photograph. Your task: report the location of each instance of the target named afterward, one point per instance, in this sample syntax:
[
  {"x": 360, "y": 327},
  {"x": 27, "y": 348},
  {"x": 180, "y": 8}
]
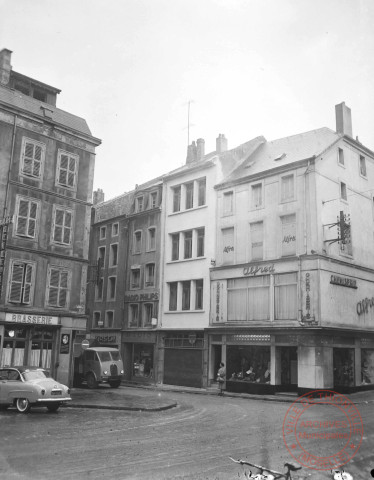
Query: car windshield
[
  {"x": 34, "y": 375},
  {"x": 115, "y": 356},
  {"x": 109, "y": 356}
]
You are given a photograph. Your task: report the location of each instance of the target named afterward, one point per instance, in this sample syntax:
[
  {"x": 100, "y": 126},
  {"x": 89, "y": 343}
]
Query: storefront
[{"x": 140, "y": 356}]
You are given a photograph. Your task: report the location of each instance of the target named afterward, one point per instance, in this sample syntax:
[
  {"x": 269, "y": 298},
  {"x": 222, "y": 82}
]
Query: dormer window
[{"x": 139, "y": 204}]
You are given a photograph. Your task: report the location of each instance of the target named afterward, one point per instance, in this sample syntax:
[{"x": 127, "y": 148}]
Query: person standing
[{"x": 221, "y": 377}]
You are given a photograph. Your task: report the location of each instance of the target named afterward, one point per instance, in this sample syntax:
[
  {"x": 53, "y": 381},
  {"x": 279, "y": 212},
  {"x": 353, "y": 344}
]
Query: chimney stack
[
  {"x": 98, "y": 196},
  {"x": 5, "y": 67},
  {"x": 221, "y": 143},
  {"x": 200, "y": 149},
  {"x": 191, "y": 153},
  {"x": 343, "y": 119}
]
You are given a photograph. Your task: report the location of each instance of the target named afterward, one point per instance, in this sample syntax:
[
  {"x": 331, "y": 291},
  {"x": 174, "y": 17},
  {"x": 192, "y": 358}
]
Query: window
[
  {"x": 186, "y": 295},
  {"x": 153, "y": 200},
  {"x": 175, "y": 246},
  {"x": 109, "y": 319},
  {"x": 134, "y": 315},
  {"x": 112, "y": 288},
  {"x": 114, "y": 255},
  {"x": 362, "y": 166},
  {"x": 27, "y": 212},
  {"x": 135, "y": 278},
  {"x": 21, "y": 283},
  {"x": 102, "y": 233},
  {"x": 148, "y": 314},
  {"x": 67, "y": 169},
  {"x": 58, "y": 287},
  {"x": 287, "y": 188},
  {"x": 189, "y": 195},
  {"x": 256, "y": 196},
  {"x": 173, "y": 295},
  {"x": 257, "y": 240},
  {"x": 151, "y": 238},
  {"x": 228, "y": 245},
  {"x": 228, "y": 203},
  {"x": 199, "y": 284},
  {"x": 99, "y": 290},
  {"x": 343, "y": 191},
  {"x": 248, "y": 299},
  {"x": 200, "y": 242},
  {"x": 177, "y": 199},
  {"x": 62, "y": 225},
  {"x": 150, "y": 274},
  {"x": 340, "y": 156},
  {"x": 101, "y": 255},
  {"x": 137, "y": 242},
  {"x": 139, "y": 204},
  {"x": 285, "y": 286},
  {"x": 32, "y": 158},
  {"x": 201, "y": 189},
  {"x": 188, "y": 244},
  {"x": 288, "y": 235},
  {"x": 115, "y": 229},
  {"x": 97, "y": 319}
]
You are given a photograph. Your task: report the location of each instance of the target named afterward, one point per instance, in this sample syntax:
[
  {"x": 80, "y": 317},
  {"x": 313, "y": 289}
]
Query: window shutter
[
  {"x": 16, "y": 283},
  {"x": 27, "y": 284}
]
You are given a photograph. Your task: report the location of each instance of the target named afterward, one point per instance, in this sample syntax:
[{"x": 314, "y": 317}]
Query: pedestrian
[{"x": 221, "y": 377}]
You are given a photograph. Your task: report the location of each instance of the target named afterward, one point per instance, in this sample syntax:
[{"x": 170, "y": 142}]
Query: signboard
[
  {"x": 33, "y": 319},
  {"x": 85, "y": 344},
  {"x": 65, "y": 343}
]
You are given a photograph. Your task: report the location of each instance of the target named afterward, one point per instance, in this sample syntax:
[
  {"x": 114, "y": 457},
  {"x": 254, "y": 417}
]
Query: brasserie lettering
[{"x": 37, "y": 319}]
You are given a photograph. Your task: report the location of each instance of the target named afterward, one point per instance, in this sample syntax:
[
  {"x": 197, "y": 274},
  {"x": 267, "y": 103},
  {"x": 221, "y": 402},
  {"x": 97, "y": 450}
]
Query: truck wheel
[
  {"x": 91, "y": 381},
  {"x": 23, "y": 405},
  {"x": 115, "y": 383}
]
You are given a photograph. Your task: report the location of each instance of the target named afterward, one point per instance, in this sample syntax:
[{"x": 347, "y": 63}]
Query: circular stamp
[{"x": 322, "y": 430}]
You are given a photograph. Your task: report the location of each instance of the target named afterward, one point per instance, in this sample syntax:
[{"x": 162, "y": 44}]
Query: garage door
[{"x": 183, "y": 367}]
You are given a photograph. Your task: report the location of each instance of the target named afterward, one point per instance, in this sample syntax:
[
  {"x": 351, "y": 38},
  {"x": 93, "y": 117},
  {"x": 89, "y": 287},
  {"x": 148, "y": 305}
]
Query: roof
[
  {"x": 18, "y": 100},
  {"x": 285, "y": 151}
]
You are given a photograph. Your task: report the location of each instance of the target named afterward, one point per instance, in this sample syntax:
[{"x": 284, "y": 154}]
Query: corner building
[
  {"x": 292, "y": 291},
  {"x": 47, "y": 161}
]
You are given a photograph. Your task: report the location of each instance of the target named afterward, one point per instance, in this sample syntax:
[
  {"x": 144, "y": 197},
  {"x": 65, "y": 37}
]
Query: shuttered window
[
  {"x": 62, "y": 226},
  {"x": 32, "y": 158},
  {"x": 26, "y": 218},
  {"x": 67, "y": 169},
  {"x": 58, "y": 287},
  {"x": 21, "y": 283}
]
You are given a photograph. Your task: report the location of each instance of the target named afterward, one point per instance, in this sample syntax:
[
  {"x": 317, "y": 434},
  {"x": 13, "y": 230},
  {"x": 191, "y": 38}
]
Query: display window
[
  {"x": 248, "y": 363},
  {"x": 343, "y": 360},
  {"x": 41, "y": 349},
  {"x": 367, "y": 366},
  {"x": 13, "y": 347},
  {"x": 143, "y": 361}
]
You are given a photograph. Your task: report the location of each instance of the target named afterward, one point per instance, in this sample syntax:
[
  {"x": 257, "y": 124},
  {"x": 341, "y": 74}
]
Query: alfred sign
[{"x": 255, "y": 269}]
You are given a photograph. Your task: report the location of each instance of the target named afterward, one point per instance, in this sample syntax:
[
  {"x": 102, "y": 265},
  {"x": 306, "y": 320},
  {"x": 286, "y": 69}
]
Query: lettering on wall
[
  {"x": 218, "y": 297},
  {"x": 308, "y": 318},
  {"x": 343, "y": 281},
  {"x": 34, "y": 319},
  {"x": 364, "y": 305},
  {"x": 289, "y": 238},
  {"x": 141, "y": 297},
  {"x": 255, "y": 269},
  {"x": 228, "y": 249}
]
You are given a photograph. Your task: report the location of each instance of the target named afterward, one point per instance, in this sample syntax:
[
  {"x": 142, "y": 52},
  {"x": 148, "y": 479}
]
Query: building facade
[{"x": 47, "y": 161}]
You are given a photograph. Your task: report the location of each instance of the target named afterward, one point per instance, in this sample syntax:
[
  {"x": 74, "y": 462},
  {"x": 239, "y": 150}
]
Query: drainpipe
[{"x": 10, "y": 166}]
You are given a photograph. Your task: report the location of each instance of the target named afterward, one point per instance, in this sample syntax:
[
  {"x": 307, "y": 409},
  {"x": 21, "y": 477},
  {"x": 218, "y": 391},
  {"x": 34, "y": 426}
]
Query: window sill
[
  {"x": 287, "y": 200},
  {"x": 183, "y": 260},
  {"x": 365, "y": 177},
  {"x": 188, "y": 210},
  {"x": 183, "y": 311}
]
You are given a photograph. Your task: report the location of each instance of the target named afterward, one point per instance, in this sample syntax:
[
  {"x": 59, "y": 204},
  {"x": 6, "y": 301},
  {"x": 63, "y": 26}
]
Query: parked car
[
  {"x": 26, "y": 387},
  {"x": 100, "y": 365}
]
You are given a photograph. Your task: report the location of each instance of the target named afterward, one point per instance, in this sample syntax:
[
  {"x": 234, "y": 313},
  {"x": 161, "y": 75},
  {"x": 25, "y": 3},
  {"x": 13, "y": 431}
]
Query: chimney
[
  {"x": 191, "y": 153},
  {"x": 98, "y": 196},
  {"x": 200, "y": 149},
  {"x": 221, "y": 143},
  {"x": 343, "y": 119},
  {"x": 5, "y": 68}
]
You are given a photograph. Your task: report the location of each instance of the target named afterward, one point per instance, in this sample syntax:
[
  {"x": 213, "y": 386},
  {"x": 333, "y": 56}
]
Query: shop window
[
  {"x": 32, "y": 158},
  {"x": 288, "y": 235},
  {"x": 112, "y": 288},
  {"x": 286, "y": 296},
  {"x": 228, "y": 203},
  {"x": 257, "y": 240},
  {"x": 367, "y": 366},
  {"x": 114, "y": 255},
  {"x": 135, "y": 278},
  {"x": 134, "y": 315},
  {"x": 201, "y": 188},
  {"x": 343, "y": 361},
  {"x": 150, "y": 275},
  {"x": 142, "y": 361},
  {"x": 151, "y": 239},
  {"x": 256, "y": 196},
  {"x": 109, "y": 319},
  {"x": 41, "y": 349},
  {"x": 188, "y": 244},
  {"x": 248, "y": 299},
  {"x": 227, "y": 245},
  {"x": 58, "y": 287},
  {"x": 148, "y": 314},
  {"x": 189, "y": 195},
  {"x": 137, "y": 242},
  {"x": 102, "y": 233},
  {"x": 62, "y": 227},
  {"x": 21, "y": 283},
  {"x": 249, "y": 363},
  {"x": 13, "y": 351},
  {"x": 200, "y": 242},
  {"x": 175, "y": 246},
  {"x": 67, "y": 169},
  {"x": 27, "y": 216},
  {"x": 115, "y": 229},
  {"x": 173, "y": 295},
  {"x": 287, "y": 188},
  {"x": 199, "y": 295},
  {"x": 177, "y": 199},
  {"x": 186, "y": 295}
]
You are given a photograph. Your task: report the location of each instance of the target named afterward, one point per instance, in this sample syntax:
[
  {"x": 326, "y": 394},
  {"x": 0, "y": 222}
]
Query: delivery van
[{"x": 101, "y": 365}]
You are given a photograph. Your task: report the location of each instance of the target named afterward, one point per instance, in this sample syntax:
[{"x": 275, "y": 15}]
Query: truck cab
[{"x": 101, "y": 365}]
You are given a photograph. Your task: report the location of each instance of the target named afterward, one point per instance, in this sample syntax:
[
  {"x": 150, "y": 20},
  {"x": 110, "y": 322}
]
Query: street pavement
[{"x": 160, "y": 397}]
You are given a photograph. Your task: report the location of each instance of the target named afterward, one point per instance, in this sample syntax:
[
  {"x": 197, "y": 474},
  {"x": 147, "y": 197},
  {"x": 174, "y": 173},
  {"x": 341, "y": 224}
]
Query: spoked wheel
[
  {"x": 53, "y": 407},
  {"x": 115, "y": 383},
  {"x": 23, "y": 405},
  {"x": 91, "y": 381}
]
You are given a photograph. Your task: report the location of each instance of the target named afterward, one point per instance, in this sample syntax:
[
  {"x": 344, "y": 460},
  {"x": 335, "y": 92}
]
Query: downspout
[{"x": 10, "y": 166}]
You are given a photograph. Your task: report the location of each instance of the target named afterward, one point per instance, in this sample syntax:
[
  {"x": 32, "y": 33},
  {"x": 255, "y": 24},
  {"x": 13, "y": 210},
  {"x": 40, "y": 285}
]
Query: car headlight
[
  {"x": 122, "y": 372},
  {"x": 105, "y": 372}
]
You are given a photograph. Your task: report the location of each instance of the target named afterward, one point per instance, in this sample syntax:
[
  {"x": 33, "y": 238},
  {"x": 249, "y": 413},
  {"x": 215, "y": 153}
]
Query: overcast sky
[{"x": 251, "y": 67}]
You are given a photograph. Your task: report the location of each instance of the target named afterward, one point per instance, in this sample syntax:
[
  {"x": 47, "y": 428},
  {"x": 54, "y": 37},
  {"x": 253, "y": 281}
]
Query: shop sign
[
  {"x": 248, "y": 338},
  {"x": 218, "y": 302},
  {"x": 107, "y": 338},
  {"x": 363, "y": 306},
  {"x": 138, "y": 337},
  {"x": 255, "y": 269},
  {"x": 343, "y": 281},
  {"x": 33, "y": 319},
  {"x": 142, "y": 297}
]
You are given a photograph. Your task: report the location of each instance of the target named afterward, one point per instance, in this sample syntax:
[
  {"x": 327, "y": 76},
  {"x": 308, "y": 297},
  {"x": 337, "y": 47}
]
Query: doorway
[{"x": 288, "y": 369}]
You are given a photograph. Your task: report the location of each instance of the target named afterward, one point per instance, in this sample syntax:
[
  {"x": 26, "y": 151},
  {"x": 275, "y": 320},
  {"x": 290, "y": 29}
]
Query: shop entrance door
[
  {"x": 288, "y": 359},
  {"x": 216, "y": 360}
]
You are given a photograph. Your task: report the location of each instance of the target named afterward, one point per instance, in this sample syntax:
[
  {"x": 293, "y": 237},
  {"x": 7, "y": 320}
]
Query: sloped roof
[
  {"x": 17, "y": 99},
  {"x": 285, "y": 151}
]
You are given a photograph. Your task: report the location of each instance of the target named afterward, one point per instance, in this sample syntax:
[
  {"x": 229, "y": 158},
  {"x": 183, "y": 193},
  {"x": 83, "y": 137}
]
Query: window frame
[
  {"x": 139, "y": 204},
  {"x": 106, "y": 323},
  {"x": 101, "y": 248},
  {"x": 111, "y": 255},
  {"x": 228, "y": 210},
  {"x": 149, "y": 283},
  {"x": 251, "y": 243},
  {"x": 111, "y": 295},
  {"x": 70, "y": 155},
  {"x": 201, "y": 187},
  {"x": 199, "y": 288},
  {"x": 138, "y": 244},
  {"x": 96, "y": 319},
  {"x": 177, "y": 198},
  {"x": 187, "y": 244},
  {"x": 133, "y": 270},
  {"x": 25, "y": 263},
  {"x": 153, "y": 199},
  {"x": 99, "y": 288},
  {"x": 102, "y": 232},
  {"x": 145, "y": 313},
  {"x": 19, "y": 199},
  {"x": 254, "y": 206},
  {"x": 114, "y": 227},
  {"x": 360, "y": 159},
  {"x": 189, "y": 195},
  {"x": 171, "y": 286},
  {"x": 340, "y": 156},
  {"x": 134, "y": 307},
  {"x": 186, "y": 295},
  {"x": 200, "y": 246},
  {"x": 343, "y": 191},
  {"x": 150, "y": 247},
  {"x": 35, "y": 143},
  {"x": 65, "y": 210},
  {"x": 175, "y": 252},
  {"x": 68, "y": 286},
  {"x": 287, "y": 199}
]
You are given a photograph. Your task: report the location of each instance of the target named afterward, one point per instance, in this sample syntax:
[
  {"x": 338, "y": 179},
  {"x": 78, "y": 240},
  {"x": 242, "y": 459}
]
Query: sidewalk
[{"x": 152, "y": 398}]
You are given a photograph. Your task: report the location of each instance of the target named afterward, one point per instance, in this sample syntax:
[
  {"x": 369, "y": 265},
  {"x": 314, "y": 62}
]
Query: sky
[{"x": 248, "y": 68}]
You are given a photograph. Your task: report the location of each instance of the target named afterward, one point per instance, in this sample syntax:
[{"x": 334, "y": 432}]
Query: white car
[{"x": 26, "y": 387}]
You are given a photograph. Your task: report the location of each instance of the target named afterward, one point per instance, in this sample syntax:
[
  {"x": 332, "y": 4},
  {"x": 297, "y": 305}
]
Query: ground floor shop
[{"x": 140, "y": 355}]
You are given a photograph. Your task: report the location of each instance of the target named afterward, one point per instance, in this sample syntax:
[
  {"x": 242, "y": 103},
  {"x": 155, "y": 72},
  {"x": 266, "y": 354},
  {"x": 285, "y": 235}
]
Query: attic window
[
  {"x": 280, "y": 157},
  {"x": 47, "y": 112},
  {"x": 39, "y": 95}
]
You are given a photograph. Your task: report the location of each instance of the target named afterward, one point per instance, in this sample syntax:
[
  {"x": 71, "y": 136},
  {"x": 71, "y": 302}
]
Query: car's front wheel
[
  {"x": 54, "y": 407},
  {"x": 91, "y": 381},
  {"x": 23, "y": 405}
]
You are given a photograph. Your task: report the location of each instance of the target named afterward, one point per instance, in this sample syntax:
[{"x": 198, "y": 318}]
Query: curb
[{"x": 120, "y": 407}]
